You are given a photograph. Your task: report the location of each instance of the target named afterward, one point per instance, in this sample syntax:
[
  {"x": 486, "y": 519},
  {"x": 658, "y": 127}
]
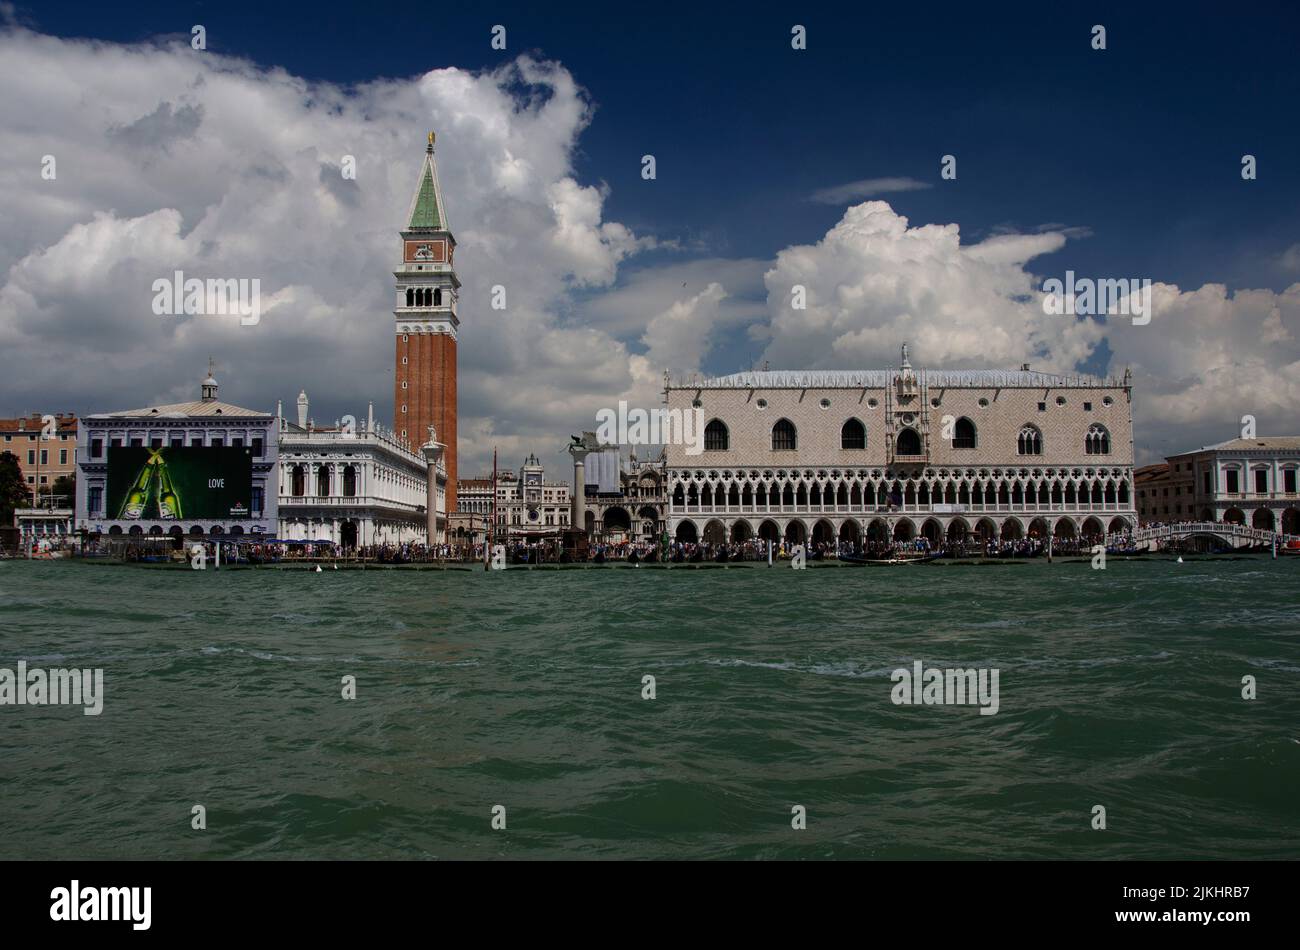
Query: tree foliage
[{"x": 13, "y": 489}]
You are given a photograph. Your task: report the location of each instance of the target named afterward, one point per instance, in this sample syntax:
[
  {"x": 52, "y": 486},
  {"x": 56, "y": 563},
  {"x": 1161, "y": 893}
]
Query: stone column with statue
[
  {"x": 432, "y": 451},
  {"x": 580, "y": 447}
]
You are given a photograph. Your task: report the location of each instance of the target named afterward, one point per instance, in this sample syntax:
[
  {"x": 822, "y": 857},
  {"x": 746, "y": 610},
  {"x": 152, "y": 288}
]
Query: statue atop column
[{"x": 580, "y": 447}]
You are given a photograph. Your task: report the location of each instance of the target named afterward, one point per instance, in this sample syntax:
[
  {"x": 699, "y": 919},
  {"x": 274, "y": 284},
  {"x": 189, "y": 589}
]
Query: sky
[{"x": 774, "y": 167}]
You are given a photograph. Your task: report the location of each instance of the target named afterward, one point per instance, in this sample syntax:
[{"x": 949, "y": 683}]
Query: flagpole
[{"x": 491, "y": 536}]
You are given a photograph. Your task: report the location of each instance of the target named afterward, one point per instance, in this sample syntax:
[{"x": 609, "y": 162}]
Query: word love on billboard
[{"x": 171, "y": 483}]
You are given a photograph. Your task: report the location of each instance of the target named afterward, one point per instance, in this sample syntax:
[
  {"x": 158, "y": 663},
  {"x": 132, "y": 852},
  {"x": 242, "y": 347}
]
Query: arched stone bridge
[{"x": 1238, "y": 535}]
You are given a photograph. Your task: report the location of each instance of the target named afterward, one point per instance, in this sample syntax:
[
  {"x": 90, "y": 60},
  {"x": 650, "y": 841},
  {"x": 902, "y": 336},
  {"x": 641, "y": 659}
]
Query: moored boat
[{"x": 899, "y": 557}]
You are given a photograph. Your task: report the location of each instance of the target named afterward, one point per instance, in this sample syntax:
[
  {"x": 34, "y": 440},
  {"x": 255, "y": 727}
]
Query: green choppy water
[{"x": 1118, "y": 687}]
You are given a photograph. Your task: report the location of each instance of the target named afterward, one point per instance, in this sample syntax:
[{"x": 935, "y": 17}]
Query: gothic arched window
[
  {"x": 784, "y": 437},
  {"x": 853, "y": 435},
  {"x": 963, "y": 436},
  {"x": 1097, "y": 442},
  {"x": 716, "y": 437},
  {"x": 909, "y": 442},
  {"x": 1030, "y": 441}
]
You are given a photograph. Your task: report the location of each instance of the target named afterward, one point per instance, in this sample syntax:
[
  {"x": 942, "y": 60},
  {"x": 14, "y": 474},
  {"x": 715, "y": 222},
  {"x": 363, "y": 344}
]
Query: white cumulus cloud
[{"x": 168, "y": 159}]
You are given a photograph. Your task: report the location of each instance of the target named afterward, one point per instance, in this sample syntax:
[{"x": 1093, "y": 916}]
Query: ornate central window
[
  {"x": 909, "y": 442},
  {"x": 1097, "y": 441},
  {"x": 1030, "y": 441}
]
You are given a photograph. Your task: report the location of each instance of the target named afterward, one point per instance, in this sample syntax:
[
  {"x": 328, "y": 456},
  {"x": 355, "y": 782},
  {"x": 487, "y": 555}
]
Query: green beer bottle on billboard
[
  {"x": 169, "y": 500},
  {"x": 168, "y": 483},
  {"x": 142, "y": 489}
]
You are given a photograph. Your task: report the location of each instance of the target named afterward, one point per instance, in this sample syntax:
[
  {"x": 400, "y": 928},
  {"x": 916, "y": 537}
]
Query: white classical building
[
  {"x": 1245, "y": 481},
  {"x": 206, "y": 424},
  {"x": 883, "y": 455},
  {"x": 354, "y": 484}
]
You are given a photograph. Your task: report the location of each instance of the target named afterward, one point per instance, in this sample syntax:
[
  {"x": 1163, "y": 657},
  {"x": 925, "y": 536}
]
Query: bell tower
[{"x": 427, "y": 295}]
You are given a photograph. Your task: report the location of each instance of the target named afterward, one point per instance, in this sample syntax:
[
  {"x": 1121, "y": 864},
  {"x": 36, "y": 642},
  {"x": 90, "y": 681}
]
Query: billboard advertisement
[{"x": 180, "y": 482}]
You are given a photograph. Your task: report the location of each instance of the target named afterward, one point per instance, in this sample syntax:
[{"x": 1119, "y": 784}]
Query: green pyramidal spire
[
  {"x": 426, "y": 207},
  {"x": 425, "y": 213}
]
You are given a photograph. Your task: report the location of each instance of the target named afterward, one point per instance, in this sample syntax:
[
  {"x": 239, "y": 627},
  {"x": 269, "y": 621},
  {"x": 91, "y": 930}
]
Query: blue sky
[
  {"x": 1140, "y": 143},
  {"x": 1123, "y": 162}
]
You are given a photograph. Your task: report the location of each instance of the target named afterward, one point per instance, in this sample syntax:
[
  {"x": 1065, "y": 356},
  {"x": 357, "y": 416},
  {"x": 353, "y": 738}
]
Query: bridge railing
[{"x": 1220, "y": 528}]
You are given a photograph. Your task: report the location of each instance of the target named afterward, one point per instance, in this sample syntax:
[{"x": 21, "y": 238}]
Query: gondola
[{"x": 903, "y": 558}]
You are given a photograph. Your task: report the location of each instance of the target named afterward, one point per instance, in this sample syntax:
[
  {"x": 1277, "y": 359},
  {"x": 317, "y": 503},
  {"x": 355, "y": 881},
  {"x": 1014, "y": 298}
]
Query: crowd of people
[
  {"x": 553, "y": 551},
  {"x": 970, "y": 547}
]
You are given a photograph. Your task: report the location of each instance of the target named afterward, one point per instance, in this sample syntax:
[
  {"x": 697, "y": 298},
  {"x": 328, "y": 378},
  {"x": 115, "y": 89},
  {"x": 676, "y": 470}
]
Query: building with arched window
[
  {"x": 716, "y": 437},
  {"x": 785, "y": 438},
  {"x": 1250, "y": 481},
  {"x": 427, "y": 323},
  {"x": 528, "y": 507},
  {"x": 896, "y": 453},
  {"x": 200, "y": 469},
  {"x": 1030, "y": 441},
  {"x": 853, "y": 434},
  {"x": 633, "y": 507},
  {"x": 353, "y": 483},
  {"x": 1097, "y": 441}
]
